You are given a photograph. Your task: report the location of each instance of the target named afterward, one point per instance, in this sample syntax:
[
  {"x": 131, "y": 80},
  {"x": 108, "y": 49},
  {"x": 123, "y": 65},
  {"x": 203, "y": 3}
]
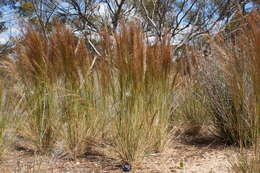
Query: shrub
[{"x": 231, "y": 83}]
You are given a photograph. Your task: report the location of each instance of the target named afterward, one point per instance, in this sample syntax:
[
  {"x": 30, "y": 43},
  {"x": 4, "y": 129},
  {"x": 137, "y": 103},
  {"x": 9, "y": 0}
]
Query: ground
[{"x": 186, "y": 155}]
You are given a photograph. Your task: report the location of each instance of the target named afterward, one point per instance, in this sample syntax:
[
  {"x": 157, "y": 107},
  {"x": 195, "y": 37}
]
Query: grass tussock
[
  {"x": 251, "y": 57},
  {"x": 132, "y": 80},
  {"x": 59, "y": 63}
]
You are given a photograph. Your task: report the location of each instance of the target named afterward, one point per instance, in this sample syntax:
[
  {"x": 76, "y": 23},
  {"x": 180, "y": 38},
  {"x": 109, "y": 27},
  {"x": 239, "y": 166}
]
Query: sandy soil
[
  {"x": 188, "y": 158},
  {"x": 189, "y": 155}
]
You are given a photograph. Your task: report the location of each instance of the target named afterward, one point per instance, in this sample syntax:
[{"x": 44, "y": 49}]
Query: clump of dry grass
[
  {"x": 132, "y": 72},
  {"x": 60, "y": 60},
  {"x": 251, "y": 52}
]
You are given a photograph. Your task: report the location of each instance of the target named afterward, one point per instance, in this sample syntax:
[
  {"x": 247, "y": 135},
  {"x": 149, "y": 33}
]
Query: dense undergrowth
[{"x": 131, "y": 96}]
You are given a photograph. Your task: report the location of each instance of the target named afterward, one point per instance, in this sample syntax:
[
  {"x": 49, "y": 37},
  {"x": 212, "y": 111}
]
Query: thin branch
[
  {"x": 93, "y": 47},
  {"x": 147, "y": 16}
]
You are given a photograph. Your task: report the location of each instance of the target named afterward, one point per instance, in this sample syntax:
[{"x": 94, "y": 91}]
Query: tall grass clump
[
  {"x": 59, "y": 98},
  {"x": 140, "y": 83},
  {"x": 231, "y": 84},
  {"x": 32, "y": 72},
  {"x": 81, "y": 119},
  {"x": 250, "y": 163}
]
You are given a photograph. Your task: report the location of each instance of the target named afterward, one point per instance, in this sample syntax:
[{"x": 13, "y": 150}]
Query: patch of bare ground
[
  {"x": 187, "y": 154},
  {"x": 192, "y": 155}
]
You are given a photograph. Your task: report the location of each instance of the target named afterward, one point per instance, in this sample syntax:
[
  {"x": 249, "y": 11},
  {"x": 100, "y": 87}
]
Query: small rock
[{"x": 126, "y": 167}]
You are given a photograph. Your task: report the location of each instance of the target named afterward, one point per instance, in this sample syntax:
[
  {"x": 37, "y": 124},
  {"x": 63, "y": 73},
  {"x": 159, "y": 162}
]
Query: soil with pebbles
[{"x": 188, "y": 154}]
